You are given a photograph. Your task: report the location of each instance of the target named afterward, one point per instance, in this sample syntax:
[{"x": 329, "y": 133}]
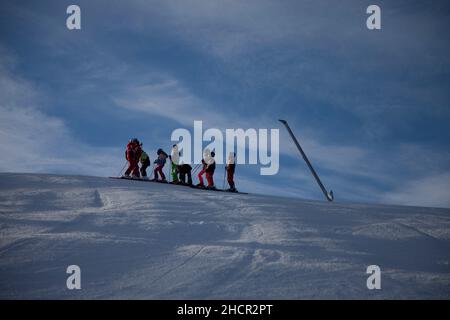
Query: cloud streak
[{"x": 31, "y": 141}]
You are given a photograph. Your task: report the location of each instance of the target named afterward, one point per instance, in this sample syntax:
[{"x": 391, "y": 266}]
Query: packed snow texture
[{"x": 154, "y": 241}]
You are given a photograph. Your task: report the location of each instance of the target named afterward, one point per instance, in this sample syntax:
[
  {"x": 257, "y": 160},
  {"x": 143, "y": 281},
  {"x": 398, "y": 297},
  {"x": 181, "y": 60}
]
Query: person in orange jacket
[{"x": 132, "y": 154}]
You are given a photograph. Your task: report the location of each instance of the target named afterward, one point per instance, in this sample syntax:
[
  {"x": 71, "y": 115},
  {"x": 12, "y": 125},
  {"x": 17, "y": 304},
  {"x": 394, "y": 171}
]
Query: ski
[
  {"x": 215, "y": 189},
  {"x": 328, "y": 195},
  {"x": 178, "y": 184},
  {"x": 141, "y": 180}
]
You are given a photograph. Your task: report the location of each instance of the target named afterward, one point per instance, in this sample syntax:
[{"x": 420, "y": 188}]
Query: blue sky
[{"x": 370, "y": 108}]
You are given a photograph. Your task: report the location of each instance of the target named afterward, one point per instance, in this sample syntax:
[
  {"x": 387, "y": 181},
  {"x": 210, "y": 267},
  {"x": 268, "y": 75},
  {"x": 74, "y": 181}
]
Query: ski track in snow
[{"x": 150, "y": 241}]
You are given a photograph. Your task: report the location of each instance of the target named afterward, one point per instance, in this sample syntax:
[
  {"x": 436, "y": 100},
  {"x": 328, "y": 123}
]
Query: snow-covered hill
[{"x": 148, "y": 240}]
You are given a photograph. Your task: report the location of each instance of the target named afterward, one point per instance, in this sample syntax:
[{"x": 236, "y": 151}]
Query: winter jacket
[
  {"x": 175, "y": 155},
  {"x": 210, "y": 165},
  {"x": 145, "y": 159},
  {"x": 130, "y": 153},
  {"x": 137, "y": 152},
  {"x": 184, "y": 168},
  {"x": 161, "y": 160}
]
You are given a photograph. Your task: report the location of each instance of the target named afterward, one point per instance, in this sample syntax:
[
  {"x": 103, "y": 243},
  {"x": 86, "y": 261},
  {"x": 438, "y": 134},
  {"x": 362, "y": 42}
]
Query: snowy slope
[{"x": 148, "y": 240}]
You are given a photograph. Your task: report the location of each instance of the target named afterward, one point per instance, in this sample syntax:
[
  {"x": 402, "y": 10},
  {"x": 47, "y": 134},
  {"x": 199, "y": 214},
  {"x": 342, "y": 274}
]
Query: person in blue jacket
[{"x": 160, "y": 162}]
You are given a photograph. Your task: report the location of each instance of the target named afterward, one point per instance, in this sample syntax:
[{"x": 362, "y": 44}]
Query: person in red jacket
[{"x": 133, "y": 154}]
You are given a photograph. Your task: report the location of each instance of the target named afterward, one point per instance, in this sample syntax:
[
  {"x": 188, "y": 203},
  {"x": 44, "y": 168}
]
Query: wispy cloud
[
  {"x": 432, "y": 191},
  {"x": 168, "y": 98},
  {"x": 31, "y": 141}
]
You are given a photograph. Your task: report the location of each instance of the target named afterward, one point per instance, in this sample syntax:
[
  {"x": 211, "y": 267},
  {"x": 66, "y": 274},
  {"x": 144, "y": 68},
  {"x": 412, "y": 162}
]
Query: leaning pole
[{"x": 328, "y": 195}]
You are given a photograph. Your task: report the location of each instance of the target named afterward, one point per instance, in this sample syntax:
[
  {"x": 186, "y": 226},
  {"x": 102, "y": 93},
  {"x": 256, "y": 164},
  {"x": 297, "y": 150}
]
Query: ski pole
[
  {"x": 328, "y": 195},
  {"x": 120, "y": 173}
]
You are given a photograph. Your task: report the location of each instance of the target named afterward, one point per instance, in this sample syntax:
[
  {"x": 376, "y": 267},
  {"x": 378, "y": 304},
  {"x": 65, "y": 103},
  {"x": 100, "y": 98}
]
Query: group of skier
[{"x": 181, "y": 173}]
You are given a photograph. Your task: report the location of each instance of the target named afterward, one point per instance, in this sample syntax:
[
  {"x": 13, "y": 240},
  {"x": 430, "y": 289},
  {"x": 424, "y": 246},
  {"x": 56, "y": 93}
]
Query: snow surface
[{"x": 147, "y": 240}]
